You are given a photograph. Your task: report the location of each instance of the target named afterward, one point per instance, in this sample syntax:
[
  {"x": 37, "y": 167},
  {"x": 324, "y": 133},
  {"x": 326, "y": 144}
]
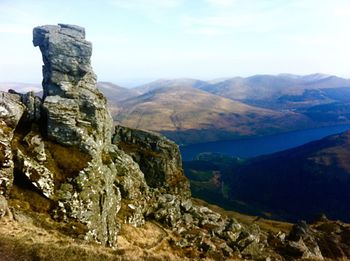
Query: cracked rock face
[
  {"x": 74, "y": 115},
  {"x": 74, "y": 108},
  {"x": 158, "y": 158}
]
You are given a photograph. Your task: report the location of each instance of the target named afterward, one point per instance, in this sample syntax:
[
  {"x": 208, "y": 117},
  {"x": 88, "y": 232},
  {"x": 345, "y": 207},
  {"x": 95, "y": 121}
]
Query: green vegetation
[
  {"x": 208, "y": 174},
  {"x": 195, "y": 175}
]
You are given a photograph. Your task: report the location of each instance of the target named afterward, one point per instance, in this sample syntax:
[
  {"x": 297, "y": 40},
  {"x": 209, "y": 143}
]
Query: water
[{"x": 247, "y": 148}]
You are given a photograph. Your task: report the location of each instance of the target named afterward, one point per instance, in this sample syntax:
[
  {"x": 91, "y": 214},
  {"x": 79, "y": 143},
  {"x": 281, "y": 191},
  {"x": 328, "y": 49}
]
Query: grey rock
[
  {"x": 76, "y": 116},
  {"x": 38, "y": 174},
  {"x": 11, "y": 111},
  {"x": 226, "y": 250},
  {"x": 4, "y": 209},
  {"x": 168, "y": 211},
  {"x": 188, "y": 219},
  {"x": 249, "y": 236},
  {"x": 93, "y": 199},
  {"x": 36, "y": 145},
  {"x": 74, "y": 108},
  {"x": 302, "y": 243},
  {"x": 299, "y": 230},
  {"x": 186, "y": 205},
  {"x": 298, "y": 249},
  {"x": 158, "y": 158},
  {"x": 33, "y": 106}
]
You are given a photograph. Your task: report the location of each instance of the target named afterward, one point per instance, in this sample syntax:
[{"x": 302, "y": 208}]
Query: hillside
[
  {"x": 115, "y": 94},
  {"x": 270, "y": 87},
  {"x": 298, "y": 183},
  {"x": 189, "y": 115},
  {"x": 167, "y": 106},
  {"x": 165, "y": 83}
]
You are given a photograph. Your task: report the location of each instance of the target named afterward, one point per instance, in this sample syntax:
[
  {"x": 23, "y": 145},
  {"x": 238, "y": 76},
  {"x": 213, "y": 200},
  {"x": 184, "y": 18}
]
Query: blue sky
[{"x": 141, "y": 40}]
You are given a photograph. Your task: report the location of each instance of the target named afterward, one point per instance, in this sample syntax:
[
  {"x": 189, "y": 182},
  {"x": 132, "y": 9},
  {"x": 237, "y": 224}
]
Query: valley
[
  {"x": 257, "y": 146},
  {"x": 300, "y": 183}
]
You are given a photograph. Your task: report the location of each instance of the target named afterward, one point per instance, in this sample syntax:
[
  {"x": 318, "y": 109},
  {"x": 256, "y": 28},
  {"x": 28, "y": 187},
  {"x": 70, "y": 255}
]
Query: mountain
[
  {"x": 167, "y": 106},
  {"x": 269, "y": 87},
  {"x": 189, "y": 115},
  {"x": 115, "y": 94},
  {"x": 297, "y": 183},
  {"x": 164, "y": 83},
  {"x": 279, "y": 92}
]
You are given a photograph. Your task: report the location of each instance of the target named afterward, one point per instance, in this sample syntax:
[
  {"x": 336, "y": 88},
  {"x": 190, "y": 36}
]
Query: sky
[{"x": 135, "y": 41}]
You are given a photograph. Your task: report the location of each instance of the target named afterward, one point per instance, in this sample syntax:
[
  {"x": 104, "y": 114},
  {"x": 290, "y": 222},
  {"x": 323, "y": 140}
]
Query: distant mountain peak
[{"x": 317, "y": 76}]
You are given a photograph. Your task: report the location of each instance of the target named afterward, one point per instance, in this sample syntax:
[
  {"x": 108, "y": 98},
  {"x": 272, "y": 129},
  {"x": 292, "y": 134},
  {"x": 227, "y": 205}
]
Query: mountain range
[
  {"x": 194, "y": 111},
  {"x": 189, "y": 115},
  {"x": 184, "y": 110}
]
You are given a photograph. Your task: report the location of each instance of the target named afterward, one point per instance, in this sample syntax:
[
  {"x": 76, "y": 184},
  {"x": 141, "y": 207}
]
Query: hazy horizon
[
  {"x": 132, "y": 83},
  {"x": 205, "y": 39}
]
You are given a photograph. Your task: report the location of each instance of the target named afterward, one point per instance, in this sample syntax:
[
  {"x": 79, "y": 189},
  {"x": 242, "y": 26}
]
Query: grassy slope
[
  {"x": 183, "y": 110},
  {"x": 299, "y": 183}
]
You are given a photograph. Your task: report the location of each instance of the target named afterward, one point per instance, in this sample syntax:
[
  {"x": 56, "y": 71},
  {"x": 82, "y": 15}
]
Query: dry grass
[
  {"x": 36, "y": 236},
  {"x": 25, "y": 241},
  {"x": 69, "y": 160},
  {"x": 175, "y": 108}
]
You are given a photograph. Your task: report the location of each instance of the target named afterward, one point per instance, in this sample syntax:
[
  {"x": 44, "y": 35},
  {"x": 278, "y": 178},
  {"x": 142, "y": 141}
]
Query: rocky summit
[{"x": 69, "y": 180}]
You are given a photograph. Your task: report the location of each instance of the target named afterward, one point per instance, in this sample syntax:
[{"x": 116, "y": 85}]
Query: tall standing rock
[
  {"x": 76, "y": 164},
  {"x": 78, "y": 127},
  {"x": 74, "y": 108}
]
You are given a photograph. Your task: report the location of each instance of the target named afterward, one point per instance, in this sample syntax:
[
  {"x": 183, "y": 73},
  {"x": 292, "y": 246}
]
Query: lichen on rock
[
  {"x": 11, "y": 111},
  {"x": 158, "y": 158},
  {"x": 75, "y": 110}
]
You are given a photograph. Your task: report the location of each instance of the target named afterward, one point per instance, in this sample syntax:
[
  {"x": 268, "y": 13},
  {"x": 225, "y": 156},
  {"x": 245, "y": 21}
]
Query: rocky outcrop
[
  {"x": 68, "y": 166},
  {"x": 75, "y": 110},
  {"x": 158, "y": 158},
  {"x": 72, "y": 161},
  {"x": 322, "y": 240}
]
